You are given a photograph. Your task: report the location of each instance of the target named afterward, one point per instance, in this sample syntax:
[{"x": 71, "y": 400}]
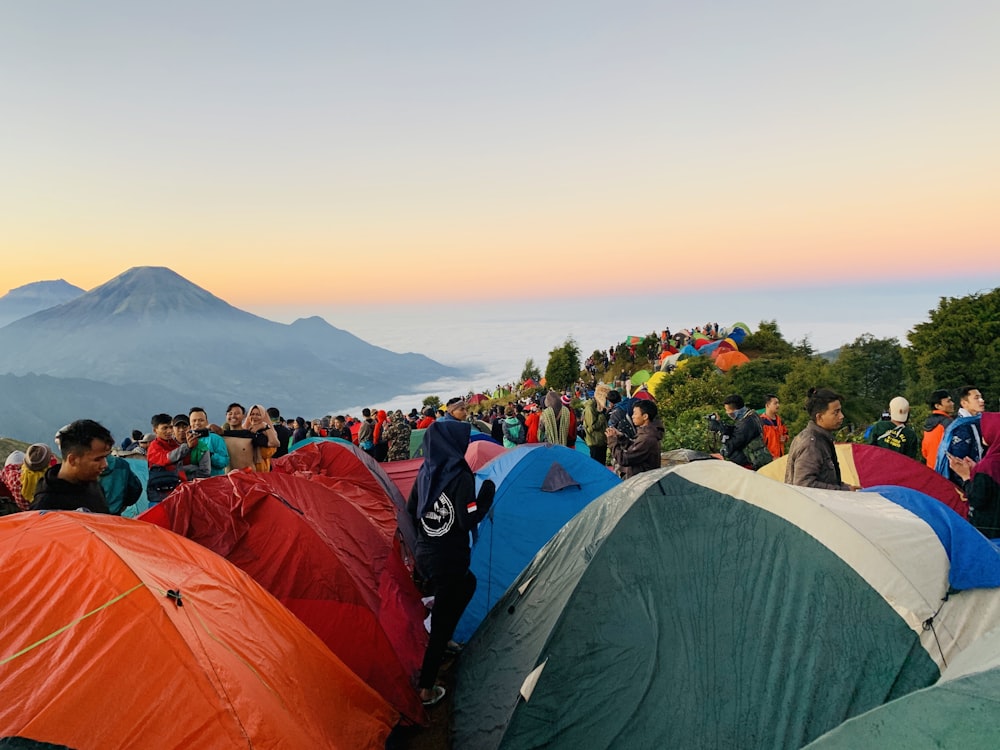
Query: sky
[{"x": 355, "y": 152}]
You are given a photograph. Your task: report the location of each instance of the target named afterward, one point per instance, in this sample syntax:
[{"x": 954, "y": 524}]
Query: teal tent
[{"x": 705, "y": 606}]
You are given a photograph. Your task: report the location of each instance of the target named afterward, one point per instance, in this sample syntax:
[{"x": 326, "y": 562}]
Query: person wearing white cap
[{"x": 894, "y": 433}]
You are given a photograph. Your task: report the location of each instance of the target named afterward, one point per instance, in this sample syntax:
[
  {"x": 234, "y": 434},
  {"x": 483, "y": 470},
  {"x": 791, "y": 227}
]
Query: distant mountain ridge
[
  {"x": 39, "y": 295},
  {"x": 151, "y": 330}
]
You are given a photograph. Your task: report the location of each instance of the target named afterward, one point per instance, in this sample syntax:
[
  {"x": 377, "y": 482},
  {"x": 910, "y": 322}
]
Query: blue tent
[{"x": 539, "y": 488}]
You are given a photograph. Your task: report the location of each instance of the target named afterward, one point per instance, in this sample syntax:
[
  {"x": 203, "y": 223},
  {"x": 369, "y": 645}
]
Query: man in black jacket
[
  {"x": 746, "y": 428},
  {"x": 85, "y": 446}
]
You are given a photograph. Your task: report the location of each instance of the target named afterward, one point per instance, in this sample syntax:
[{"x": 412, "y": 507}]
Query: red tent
[
  {"x": 481, "y": 452},
  {"x": 322, "y": 555},
  {"x": 126, "y": 635},
  {"x": 404, "y": 473},
  {"x": 356, "y": 475},
  {"x": 479, "y": 398}
]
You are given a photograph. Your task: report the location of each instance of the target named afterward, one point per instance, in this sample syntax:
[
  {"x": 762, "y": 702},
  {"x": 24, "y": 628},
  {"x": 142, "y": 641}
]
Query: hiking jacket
[
  {"x": 934, "y": 427},
  {"x": 640, "y": 454},
  {"x": 812, "y": 460},
  {"x": 158, "y": 454},
  {"x": 900, "y": 438},
  {"x": 512, "y": 425},
  {"x": 54, "y": 493},
  {"x": 746, "y": 428},
  {"x": 775, "y": 434},
  {"x": 595, "y": 422},
  {"x": 984, "y": 504},
  {"x": 121, "y": 486}
]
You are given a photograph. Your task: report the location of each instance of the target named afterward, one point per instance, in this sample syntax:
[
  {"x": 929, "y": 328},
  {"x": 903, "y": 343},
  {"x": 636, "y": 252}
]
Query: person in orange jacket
[
  {"x": 942, "y": 415},
  {"x": 775, "y": 431}
]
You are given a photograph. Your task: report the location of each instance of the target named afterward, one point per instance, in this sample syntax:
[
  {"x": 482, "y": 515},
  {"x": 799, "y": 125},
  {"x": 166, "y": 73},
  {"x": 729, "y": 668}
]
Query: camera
[{"x": 201, "y": 433}]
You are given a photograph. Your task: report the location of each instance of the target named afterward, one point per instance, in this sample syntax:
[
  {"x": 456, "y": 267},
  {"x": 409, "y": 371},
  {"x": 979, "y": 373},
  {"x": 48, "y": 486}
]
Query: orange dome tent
[
  {"x": 129, "y": 636},
  {"x": 728, "y": 360},
  {"x": 321, "y": 555}
]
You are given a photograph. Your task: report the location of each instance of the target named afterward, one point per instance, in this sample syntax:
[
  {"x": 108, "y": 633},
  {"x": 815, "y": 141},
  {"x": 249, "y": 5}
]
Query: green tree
[
  {"x": 530, "y": 371},
  {"x": 432, "y": 401},
  {"x": 806, "y": 373},
  {"x": 869, "y": 373},
  {"x": 767, "y": 341},
  {"x": 563, "y": 369},
  {"x": 959, "y": 345},
  {"x": 758, "y": 377}
]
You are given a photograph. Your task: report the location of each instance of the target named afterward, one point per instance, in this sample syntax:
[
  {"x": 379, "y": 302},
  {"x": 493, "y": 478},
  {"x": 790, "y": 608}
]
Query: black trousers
[
  {"x": 452, "y": 594},
  {"x": 600, "y": 454}
]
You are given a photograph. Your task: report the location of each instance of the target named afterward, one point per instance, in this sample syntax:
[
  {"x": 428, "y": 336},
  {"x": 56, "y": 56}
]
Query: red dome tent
[
  {"x": 129, "y": 636},
  {"x": 355, "y": 475},
  {"x": 324, "y": 557}
]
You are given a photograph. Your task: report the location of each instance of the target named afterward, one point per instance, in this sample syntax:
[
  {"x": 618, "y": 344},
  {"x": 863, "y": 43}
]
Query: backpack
[
  {"x": 162, "y": 481},
  {"x": 756, "y": 451}
]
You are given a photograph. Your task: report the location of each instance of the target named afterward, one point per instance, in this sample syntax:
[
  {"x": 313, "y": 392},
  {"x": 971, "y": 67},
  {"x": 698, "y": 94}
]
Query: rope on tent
[
  {"x": 64, "y": 628},
  {"x": 928, "y": 624}
]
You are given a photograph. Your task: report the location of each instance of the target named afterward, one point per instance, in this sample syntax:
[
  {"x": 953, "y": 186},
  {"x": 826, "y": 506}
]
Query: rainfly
[
  {"x": 707, "y": 606},
  {"x": 129, "y": 636},
  {"x": 539, "y": 488},
  {"x": 324, "y": 557},
  {"x": 870, "y": 465}
]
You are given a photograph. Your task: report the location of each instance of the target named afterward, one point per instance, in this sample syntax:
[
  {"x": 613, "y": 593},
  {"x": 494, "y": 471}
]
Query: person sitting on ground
[
  {"x": 942, "y": 411},
  {"x": 893, "y": 433},
  {"x": 812, "y": 457},
  {"x": 642, "y": 452},
  {"x": 73, "y": 484},
  {"x": 981, "y": 480}
]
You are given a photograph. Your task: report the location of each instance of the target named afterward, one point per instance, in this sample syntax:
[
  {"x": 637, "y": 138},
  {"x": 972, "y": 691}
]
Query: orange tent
[
  {"x": 129, "y": 636},
  {"x": 318, "y": 551},
  {"x": 728, "y": 360}
]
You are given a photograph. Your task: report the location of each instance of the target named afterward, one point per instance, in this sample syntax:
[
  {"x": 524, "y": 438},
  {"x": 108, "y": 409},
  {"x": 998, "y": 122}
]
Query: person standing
[
  {"x": 812, "y": 456},
  {"x": 962, "y": 438},
  {"x": 641, "y": 453},
  {"x": 942, "y": 411},
  {"x": 85, "y": 446},
  {"x": 446, "y": 508},
  {"x": 894, "y": 433},
  {"x": 775, "y": 431},
  {"x": 981, "y": 480},
  {"x": 595, "y": 424}
]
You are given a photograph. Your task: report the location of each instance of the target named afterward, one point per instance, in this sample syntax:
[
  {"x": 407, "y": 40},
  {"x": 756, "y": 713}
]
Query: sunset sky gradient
[{"x": 343, "y": 151}]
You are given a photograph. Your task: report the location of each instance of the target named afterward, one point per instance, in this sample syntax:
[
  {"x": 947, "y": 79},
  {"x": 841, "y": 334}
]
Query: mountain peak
[{"x": 143, "y": 294}]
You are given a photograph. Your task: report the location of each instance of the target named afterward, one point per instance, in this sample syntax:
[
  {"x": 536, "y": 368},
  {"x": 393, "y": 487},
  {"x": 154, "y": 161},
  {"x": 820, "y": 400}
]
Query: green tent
[
  {"x": 417, "y": 443},
  {"x": 705, "y": 606},
  {"x": 959, "y": 712},
  {"x": 640, "y": 377}
]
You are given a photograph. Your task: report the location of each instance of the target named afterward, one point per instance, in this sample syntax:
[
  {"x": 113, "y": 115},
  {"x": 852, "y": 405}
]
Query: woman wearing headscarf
[
  {"x": 554, "y": 426},
  {"x": 444, "y": 504},
  {"x": 380, "y": 450},
  {"x": 982, "y": 480},
  {"x": 262, "y": 436}
]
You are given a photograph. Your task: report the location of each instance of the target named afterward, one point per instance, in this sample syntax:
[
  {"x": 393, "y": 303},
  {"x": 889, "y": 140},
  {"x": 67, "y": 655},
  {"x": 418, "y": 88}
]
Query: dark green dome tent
[{"x": 706, "y": 606}]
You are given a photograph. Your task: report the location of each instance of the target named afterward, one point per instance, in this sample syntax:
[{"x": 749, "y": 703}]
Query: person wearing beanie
[
  {"x": 37, "y": 459},
  {"x": 554, "y": 426},
  {"x": 942, "y": 414},
  {"x": 894, "y": 433},
  {"x": 73, "y": 484}
]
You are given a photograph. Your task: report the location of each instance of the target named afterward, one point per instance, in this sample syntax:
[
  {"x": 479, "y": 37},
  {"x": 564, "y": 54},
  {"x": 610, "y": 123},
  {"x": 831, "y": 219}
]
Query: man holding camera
[
  {"x": 201, "y": 439},
  {"x": 742, "y": 441}
]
